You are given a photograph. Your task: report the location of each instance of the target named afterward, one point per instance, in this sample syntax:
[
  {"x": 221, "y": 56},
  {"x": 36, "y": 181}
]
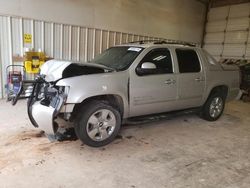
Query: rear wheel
[
  {"x": 214, "y": 107},
  {"x": 98, "y": 124}
]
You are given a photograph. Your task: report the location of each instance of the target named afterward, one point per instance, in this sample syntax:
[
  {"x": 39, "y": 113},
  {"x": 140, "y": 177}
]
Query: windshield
[{"x": 118, "y": 58}]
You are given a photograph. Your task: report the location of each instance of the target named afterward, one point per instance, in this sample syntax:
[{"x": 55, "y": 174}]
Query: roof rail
[
  {"x": 144, "y": 41},
  {"x": 176, "y": 42},
  {"x": 165, "y": 41}
]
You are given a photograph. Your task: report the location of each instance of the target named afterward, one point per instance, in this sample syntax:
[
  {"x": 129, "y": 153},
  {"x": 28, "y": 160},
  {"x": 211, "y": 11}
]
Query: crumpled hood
[{"x": 54, "y": 70}]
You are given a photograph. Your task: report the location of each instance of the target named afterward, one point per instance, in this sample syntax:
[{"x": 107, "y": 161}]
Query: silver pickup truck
[{"x": 127, "y": 81}]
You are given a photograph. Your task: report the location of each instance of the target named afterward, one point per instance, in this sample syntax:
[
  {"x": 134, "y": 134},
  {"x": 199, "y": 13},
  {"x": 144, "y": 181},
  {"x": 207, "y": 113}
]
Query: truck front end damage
[{"x": 45, "y": 101}]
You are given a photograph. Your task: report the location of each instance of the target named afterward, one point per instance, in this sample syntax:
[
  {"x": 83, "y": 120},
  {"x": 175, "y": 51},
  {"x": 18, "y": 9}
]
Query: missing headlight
[{"x": 63, "y": 90}]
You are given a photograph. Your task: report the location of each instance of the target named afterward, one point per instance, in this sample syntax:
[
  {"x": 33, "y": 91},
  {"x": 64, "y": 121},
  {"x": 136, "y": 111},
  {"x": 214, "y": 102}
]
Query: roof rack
[
  {"x": 166, "y": 41},
  {"x": 144, "y": 41}
]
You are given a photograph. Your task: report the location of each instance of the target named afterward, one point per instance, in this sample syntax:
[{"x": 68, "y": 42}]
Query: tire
[
  {"x": 214, "y": 107},
  {"x": 97, "y": 124}
]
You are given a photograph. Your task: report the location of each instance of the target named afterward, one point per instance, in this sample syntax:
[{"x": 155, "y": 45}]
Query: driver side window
[{"x": 161, "y": 58}]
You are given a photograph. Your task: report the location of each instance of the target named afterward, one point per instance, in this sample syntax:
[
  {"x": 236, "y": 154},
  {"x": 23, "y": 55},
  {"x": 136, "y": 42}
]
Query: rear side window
[{"x": 188, "y": 61}]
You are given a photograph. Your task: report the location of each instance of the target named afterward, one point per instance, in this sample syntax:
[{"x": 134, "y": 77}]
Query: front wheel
[
  {"x": 214, "y": 107},
  {"x": 98, "y": 124}
]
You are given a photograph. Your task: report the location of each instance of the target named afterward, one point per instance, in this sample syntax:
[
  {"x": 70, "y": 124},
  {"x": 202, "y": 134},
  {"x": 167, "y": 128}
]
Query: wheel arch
[
  {"x": 223, "y": 89},
  {"x": 114, "y": 100},
  {"x": 223, "y": 92}
]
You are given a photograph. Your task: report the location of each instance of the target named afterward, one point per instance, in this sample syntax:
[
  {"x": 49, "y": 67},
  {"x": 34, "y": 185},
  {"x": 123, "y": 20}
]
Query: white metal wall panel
[
  {"x": 58, "y": 32},
  {"x": 105, "y": 40},
  {"x": 228, "y": 27},
  {"x": 75, "y": 43},
  {"x": 1, "y": 76},
  {"x": 240, "y": 10},
  {"x": 214, "y": 49},
  {"x": 112, "y": 38},
  {"x": 236, "y": 37},
  {"x": 28, "y": 28},
  {"x": 219, "y": 13},
  {"x": 247, "y": 56},
  {"x": 216, "y": 26},
  {"x": 141, "y": 38},
  {"x": 136, "y": 38},
  {"x": 130, "y": 38},
  {"x": 214, "y": 38},
  {"x": 238, "y": 24},
  {"x": 98, "y": 41},
  {"x": 38, "y": 35},
  {"x": 16, "y": 25},
  {"x": 234, "y": 50},
  {"x": 5, "y": 49},
  {"x": 90, "y": 39},
  {"x": 248, "y": 39},
  {"x": 48, "y": 39},
  {"x": 66, "y": 42},
  {"x": 59, "y": 41},
  {"x": 83, "y": 44},
  {"x": 124, "y": 38},
  {"x": 118, "y": 38}
]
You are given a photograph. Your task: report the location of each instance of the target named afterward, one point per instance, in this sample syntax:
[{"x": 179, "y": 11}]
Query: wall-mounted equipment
[{"x": 33, "y": 61}]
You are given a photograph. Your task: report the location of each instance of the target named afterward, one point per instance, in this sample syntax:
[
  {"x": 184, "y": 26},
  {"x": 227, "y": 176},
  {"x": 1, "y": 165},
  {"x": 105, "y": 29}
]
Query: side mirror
[
  {"x": 146, "y": 69},
  {"x": 148, "y": 65}
]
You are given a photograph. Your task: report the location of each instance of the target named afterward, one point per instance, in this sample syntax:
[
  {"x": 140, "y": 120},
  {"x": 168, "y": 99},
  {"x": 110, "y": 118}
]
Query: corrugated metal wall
[
  {"x": 59, "y": 41},
  {"x": 227, "y": 32}
]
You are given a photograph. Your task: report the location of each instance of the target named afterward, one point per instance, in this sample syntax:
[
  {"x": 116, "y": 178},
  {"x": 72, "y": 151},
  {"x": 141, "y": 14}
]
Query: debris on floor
[
  {"x": 65, "y": 134},
  {"x": 157, "y": 154}
]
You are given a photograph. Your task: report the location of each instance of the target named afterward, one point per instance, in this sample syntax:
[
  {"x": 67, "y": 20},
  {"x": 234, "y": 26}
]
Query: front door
[{"x": 153, "y": 91}]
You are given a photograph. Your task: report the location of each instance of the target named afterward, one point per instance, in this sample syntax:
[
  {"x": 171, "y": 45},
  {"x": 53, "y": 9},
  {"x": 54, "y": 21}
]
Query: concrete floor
[{"x": 181, "y": 152}]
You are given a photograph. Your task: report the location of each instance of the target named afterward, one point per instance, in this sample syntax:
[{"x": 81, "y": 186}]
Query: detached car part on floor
[{"x": 128, "y": 81}]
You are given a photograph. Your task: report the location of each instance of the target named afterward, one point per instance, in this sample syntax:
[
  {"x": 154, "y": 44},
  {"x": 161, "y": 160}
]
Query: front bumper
[
  {"x": 45, "y": 102},
  {"x": 44, "y": 117}
]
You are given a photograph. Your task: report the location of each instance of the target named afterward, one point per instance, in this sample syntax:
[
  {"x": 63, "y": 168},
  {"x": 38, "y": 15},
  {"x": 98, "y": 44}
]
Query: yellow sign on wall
[{"x": 27, "y": 38}]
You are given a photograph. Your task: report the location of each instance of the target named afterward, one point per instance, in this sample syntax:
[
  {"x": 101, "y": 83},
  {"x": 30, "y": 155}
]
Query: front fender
[{"x": 86, "y": 86}]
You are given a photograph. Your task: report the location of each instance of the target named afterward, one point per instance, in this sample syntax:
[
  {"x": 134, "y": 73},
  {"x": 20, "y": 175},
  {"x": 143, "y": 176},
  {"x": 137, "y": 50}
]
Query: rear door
[
  {"x": 157, "y": 91},
  {"x": 191, "y": 78}
]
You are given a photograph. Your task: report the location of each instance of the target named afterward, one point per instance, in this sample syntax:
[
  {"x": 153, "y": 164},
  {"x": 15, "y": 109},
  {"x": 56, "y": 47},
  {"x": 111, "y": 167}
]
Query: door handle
[
  {"x": 199, "y": 79},
  {"x": 169, "y": 81}
]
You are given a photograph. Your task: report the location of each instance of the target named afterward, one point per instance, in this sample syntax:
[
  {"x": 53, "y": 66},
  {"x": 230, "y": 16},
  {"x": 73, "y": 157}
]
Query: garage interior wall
[
  {"x": 227, "y": 32},
  {"x": 78, "y": 30}
]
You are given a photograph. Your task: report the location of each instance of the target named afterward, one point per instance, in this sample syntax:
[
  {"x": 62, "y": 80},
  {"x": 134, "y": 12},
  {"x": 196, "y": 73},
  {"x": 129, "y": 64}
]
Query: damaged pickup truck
[{"x": 127, "y": 81}]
